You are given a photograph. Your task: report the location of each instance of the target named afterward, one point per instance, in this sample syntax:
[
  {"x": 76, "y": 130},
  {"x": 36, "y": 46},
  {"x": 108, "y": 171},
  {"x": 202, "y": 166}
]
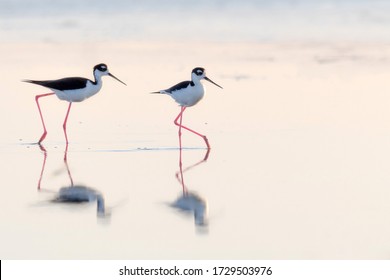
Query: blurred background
[{"x": 176, "y": 20}]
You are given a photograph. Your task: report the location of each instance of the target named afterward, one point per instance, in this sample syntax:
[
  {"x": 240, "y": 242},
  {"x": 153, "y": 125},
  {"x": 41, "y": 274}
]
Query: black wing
[
  {"x": 180, "y": 86},
  {"x": 62, "y": 84}
]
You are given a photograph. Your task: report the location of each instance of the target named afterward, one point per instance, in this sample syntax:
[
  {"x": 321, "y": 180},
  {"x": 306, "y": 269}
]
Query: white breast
[{"x": 189, "y": 96}]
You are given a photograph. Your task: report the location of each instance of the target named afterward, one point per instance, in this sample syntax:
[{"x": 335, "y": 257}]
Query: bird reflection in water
[
  {"x": 74, "y": 194},
  {"x": 189, "y": 201},
  {"x": 80, "y": 194}
]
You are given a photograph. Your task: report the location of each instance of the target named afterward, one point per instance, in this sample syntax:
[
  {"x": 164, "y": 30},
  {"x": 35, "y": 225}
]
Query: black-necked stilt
[
  {"x": 187, "y": 94},
  {"x": 73, "y": 89}
]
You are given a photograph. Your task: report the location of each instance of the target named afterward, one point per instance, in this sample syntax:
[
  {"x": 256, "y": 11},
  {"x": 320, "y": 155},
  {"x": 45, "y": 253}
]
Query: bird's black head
[
  {"x": 100, "y": 67},
  {"x": 102, "y": 70},
  {"x": 198, "y": 71}
]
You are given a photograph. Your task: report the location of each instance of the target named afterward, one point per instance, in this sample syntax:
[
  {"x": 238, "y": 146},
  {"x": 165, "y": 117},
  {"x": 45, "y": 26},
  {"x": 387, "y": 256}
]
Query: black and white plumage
[
  {"x": 77, "y": 89},
  {"x": 73, "y": 89},
  {"x": 188, "y": 93}
]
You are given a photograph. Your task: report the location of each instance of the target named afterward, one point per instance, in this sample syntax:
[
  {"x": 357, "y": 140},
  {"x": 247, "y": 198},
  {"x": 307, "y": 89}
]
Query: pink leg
[
  {"x": 193, "y": 131},
  {"x": 40, "y": 113},
  {"x": 64, "y": 125},
  {"x": 180, "y": 126},
  {"x": 180, "y": 156}
]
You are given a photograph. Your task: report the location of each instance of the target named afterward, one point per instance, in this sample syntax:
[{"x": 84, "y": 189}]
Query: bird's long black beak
[
  {"x": 109, "y": 74},
  {"x": 207, "y": 79}
]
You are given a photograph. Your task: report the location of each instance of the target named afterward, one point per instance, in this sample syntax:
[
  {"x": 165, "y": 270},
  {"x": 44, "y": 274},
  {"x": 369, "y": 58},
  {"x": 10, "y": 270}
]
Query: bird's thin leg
[
  {"x": 178, "y": 121},
  {"x": 189, "y": 129},
  {"x": 179, "y": 124},
  {"x": 181, "y": 149},
  {"x": 40, "y": 113},
  {"x": 66, "y": 119},
  {"x": 43, "y": 165}
]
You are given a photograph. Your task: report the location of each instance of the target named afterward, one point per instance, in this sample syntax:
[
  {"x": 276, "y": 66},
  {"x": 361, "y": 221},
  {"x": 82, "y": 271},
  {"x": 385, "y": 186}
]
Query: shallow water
[
  {"x": 299, "y": 165},
  {"x": 297, "y": 169}
]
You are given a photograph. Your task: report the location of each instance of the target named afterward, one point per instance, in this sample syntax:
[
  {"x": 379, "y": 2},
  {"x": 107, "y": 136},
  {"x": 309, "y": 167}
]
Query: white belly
[
  {"x": 189, "y": 96},
  {"x": 78, "y": 95}
]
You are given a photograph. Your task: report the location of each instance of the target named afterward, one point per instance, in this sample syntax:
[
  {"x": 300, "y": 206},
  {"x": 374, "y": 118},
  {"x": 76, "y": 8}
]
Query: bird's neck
[
  {"x": 98, "y": 79},
  {"x": 196, "y": 82}
]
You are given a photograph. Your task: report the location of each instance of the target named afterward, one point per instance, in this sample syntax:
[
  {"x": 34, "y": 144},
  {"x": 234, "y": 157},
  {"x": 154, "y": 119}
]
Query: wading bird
[
  {"x": 73, "y": 89},
  {"x": 187, "y": 94}
]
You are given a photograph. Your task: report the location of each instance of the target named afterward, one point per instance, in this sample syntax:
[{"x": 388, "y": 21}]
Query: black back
[
  {"x": 62, "y": 84},
  {"x": 180, "y": 86}
]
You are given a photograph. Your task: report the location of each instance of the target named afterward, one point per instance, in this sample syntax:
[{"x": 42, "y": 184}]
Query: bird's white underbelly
[
  {"x": 78, "y": 95},
  {"x": 189, "y": 96}
]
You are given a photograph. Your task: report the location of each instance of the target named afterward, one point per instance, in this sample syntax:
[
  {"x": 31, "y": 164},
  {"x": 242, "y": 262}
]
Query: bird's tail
[{"x": 32, "y": 82}]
